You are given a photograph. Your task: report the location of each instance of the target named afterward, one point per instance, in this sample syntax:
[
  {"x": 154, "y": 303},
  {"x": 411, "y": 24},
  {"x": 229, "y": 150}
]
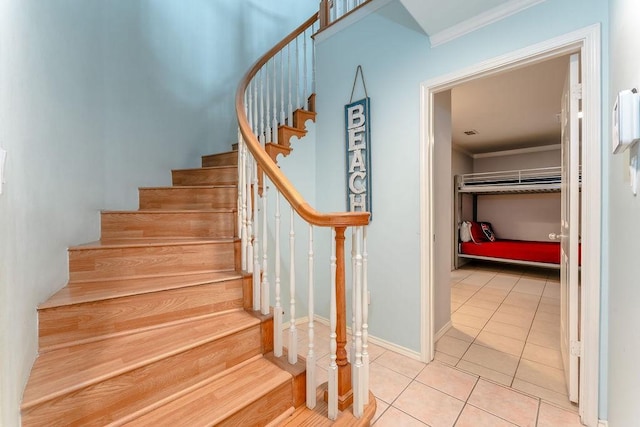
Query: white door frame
[{"x": 587, "y": 42}]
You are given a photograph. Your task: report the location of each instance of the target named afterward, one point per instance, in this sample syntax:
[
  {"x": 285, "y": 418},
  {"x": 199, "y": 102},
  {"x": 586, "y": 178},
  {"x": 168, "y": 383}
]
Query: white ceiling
[{"x": 511, "y": 110}]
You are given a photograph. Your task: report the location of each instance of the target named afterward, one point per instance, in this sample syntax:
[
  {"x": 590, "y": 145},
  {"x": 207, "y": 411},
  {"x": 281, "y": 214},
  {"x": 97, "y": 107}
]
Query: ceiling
[{"x": 511, "y": 110}]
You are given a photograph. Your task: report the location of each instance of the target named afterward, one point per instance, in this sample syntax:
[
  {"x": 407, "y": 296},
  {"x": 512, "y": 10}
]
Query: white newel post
[
  {"x": 358, "y": 400},
  {"x": 256, "y": 241},
  {"x": 332, "y": 371},
  {"x": 365, "y": 317},
  {"x": 249, "y": 195},
  {"x": 311, "y": 357}
]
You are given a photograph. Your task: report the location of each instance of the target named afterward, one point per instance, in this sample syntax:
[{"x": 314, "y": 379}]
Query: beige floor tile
[
  {"x": 551, "y": 416},
  {"x": 448, "y": 380},
  {"x": 455, "y": 306},
  {"x": 445, "y": 358},
  {"x": 500, "y": 343},
  {"x": 478, "y": 278},
  {"x": 474, "y": 417},
  {"x": 512, "y": 319},
  {"x": 545, "y": 394},
  {"x": 541, "y": 375},
  {"x": 528, "y": 312},
  {"x": 401, "y": 364},
  {"x": 494, "y": 293},
  {"x": 492, "y": 359},
  {"x": 503, "y": 281},
  {"x": 508, "y": 330},
  {"x": 546, "y": 326},
  {"x": 531, "y": 286},
  {"x": 386, "y": 384},
  {"x": 464, "y": 333},
  {"x": 481, "y": 313},
  {"x": 543, "y": 355},
  {"x": 549, "y": 340},
  {"x": 460, "y": 274},
  {"x": 486, "y": 373},
  {"x": 452, "y": 346},
  {"x": 552, "y": 290},
  {"x": 505, "y": 403},
  {"x": 477, "y": 302},
  {"x": 374, "y": 351},
  {"x": 381, "y": 407},
  {"x": 548, "y": 317},
  {"x": 545, "y": 307},
  {"x": 470, "y": 287},
  {"x": 461, "y": 294},
  {"x": 463, "y": 319},
  {"x": 428, "y": 405},
  {"x": 522, "y": 300},
  {"x": 394, "y": 417}
]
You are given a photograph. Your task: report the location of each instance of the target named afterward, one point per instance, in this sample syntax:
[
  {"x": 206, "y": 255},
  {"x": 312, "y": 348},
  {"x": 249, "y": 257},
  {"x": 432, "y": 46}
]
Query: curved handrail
[{"x": 286, "y": 188}]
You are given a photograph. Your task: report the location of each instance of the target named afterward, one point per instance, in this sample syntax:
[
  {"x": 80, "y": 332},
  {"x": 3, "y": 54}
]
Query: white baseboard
[
  {"x": 442, "y": 331},
  {"x": 603, "y": 423},
  {"x": 379, "y": 342}
]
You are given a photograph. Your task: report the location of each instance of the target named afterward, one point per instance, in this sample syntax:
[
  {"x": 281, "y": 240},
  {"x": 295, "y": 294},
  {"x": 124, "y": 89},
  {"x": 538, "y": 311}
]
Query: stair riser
[
  {"x": 262, "y": 411},
  {"x": 188, "y": 198},
  {"x": 114, "y": 398},
  {"x": 217, "y": 176},
  {"x": 161, "y": 224},
  {"x": 123, "y": 262},
  {"x": 68, "y": 325},
  {"x": 223, "y": 159}
]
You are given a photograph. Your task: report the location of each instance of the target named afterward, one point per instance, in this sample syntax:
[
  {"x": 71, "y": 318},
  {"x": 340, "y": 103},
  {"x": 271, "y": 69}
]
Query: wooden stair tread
[
  {"x": 67, "y": 369},
  {"x": 147, "y": 242},
  {"x": 170, "y": 211},
  {"x": 215, "y": 402},
  {"x": 212, "y": 168},
  {"x": 183, "y": 187},
  {"x": 83, "y": 292}
]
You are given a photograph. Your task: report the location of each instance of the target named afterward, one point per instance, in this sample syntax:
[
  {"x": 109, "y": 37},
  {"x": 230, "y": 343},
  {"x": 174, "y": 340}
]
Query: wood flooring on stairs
[{"x": 153, "y": 329}]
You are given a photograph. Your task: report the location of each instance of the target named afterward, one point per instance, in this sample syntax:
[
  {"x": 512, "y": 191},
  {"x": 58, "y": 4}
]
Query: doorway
[{"x": 586, "y": 42}]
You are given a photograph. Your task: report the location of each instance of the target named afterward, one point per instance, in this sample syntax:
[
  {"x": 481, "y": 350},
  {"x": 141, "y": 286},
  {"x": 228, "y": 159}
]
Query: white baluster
[
  {"x": 332, "y": 371},
  {"x": 311, "y": 357},
  {"x": 241, "y": 202},
  {"x": 313, "y": 62},
  {"x": 365, "y": 317},
  {"x": 277, "y": 310},
  {"x": 256, "y": 241},
  {"x": 352, "y": 353},
  {"x": 274, "y": 123},
  {"x": 264, "y": 305},
  {"x": 293, "y": 332},
  {"x": 282, "y": 113},
  {"x": 268, "y": 105},
  {"x": 345, "y": 7},
  {"x": 297, "y": 76},
  {"x": 290, "y": 111},
  {"x": 249, "y": 164},
  {"x": 305, "y": 97},
  {"x": 358, "y": 398},
  {"x": 261, "y": 113}
]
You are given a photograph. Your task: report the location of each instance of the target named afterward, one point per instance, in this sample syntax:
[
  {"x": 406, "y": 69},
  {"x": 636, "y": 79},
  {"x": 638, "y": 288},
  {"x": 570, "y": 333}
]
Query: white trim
[
  {"x": 350, "y": 19},
  {"x": 379, "y": 342},
  {"x": 482, "y": 20},
  {"x": 587, "y": 41},
  {"x": 603, "y": 423},
  {"x": 443, "y": 331},
  {"x": 518, "y": 151}
]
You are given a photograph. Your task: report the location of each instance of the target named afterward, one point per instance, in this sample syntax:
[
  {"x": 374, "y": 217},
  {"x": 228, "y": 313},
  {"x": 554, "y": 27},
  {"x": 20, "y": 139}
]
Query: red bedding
[{"x": 547, "y": 252}]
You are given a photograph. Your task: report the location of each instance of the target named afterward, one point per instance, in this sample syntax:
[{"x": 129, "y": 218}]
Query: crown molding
[{"x": 486, "y": 18}]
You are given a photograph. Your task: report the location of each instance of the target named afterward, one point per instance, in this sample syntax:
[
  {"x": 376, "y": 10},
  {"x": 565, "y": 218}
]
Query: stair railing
[
  {"x": 333, "y": 10},
  {"x": 278, "y": 84}
]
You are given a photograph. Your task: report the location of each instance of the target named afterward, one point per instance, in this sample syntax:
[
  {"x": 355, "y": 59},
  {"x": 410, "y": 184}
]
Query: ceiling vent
[{"x": 470, "y": 132}]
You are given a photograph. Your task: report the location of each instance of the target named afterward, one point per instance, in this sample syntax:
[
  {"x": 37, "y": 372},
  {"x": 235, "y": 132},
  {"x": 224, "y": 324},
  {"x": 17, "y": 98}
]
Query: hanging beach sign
[{"x": 358, "y": 136}]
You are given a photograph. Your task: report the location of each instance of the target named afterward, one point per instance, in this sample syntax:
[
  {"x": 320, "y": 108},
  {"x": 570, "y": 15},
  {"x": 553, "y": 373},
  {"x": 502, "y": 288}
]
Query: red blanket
[{"x": 548, "y": 252}]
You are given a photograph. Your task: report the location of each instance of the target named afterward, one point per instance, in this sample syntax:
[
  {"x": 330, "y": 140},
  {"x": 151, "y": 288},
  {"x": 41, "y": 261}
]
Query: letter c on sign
[{"x": 352, "y": 182}]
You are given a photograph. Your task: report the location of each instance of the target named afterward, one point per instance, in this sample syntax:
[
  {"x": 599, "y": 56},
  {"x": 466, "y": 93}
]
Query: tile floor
[{"x": 497, "y": 366}]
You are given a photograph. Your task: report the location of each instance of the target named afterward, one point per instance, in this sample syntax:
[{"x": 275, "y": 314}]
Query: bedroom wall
[
  {"x": 520, "y": 216},
  {"x": 396, "y": 58},
  {"x": 461, "y": 163}
]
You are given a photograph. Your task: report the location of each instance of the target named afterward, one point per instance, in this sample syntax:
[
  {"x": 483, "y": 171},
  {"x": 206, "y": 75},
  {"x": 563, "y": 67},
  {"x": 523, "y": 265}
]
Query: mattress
[{"x": 520, "y": 250}]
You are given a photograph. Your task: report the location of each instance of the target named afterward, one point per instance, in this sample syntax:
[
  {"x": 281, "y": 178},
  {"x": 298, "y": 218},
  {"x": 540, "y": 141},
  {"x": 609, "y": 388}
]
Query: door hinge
[
  {"x": 576, "y": 348},
  {"x": 576, "y": 91}
]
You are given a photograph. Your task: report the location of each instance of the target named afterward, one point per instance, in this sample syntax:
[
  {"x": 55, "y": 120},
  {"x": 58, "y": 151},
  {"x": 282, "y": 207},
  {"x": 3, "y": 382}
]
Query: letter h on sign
[{"x": 358, "y": 135}]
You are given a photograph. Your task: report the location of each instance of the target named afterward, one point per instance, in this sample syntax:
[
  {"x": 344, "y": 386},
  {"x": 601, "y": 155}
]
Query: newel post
[
  {"x": 325, "y": 12},
  {"x": 345, "y": 393}
]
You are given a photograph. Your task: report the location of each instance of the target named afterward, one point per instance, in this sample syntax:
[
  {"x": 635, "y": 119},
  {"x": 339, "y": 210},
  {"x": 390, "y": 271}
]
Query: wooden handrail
[{"x": 286, "y": 188}]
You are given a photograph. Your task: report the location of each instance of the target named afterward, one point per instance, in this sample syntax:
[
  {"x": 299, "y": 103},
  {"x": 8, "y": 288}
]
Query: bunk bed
[{"x": 476, "y": 240}]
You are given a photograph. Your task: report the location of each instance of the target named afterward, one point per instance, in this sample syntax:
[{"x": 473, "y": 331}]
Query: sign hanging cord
[{"x": 355, "y": 80}]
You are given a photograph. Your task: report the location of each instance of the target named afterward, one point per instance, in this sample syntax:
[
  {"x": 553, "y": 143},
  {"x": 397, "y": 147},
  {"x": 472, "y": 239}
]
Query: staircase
[{"x": 152, "y": 327}]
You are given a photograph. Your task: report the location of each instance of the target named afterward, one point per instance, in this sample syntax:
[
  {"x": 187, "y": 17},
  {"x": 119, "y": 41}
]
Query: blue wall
[
  {"x": 96, "y": 99},
  {"x": 396, "y": 58}
]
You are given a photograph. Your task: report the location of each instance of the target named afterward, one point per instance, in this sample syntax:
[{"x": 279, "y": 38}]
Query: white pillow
[{"x": 465, "y": 231}]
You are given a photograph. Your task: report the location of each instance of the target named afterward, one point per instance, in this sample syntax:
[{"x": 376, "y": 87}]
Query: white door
[{"x": 569, "y": 237}]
